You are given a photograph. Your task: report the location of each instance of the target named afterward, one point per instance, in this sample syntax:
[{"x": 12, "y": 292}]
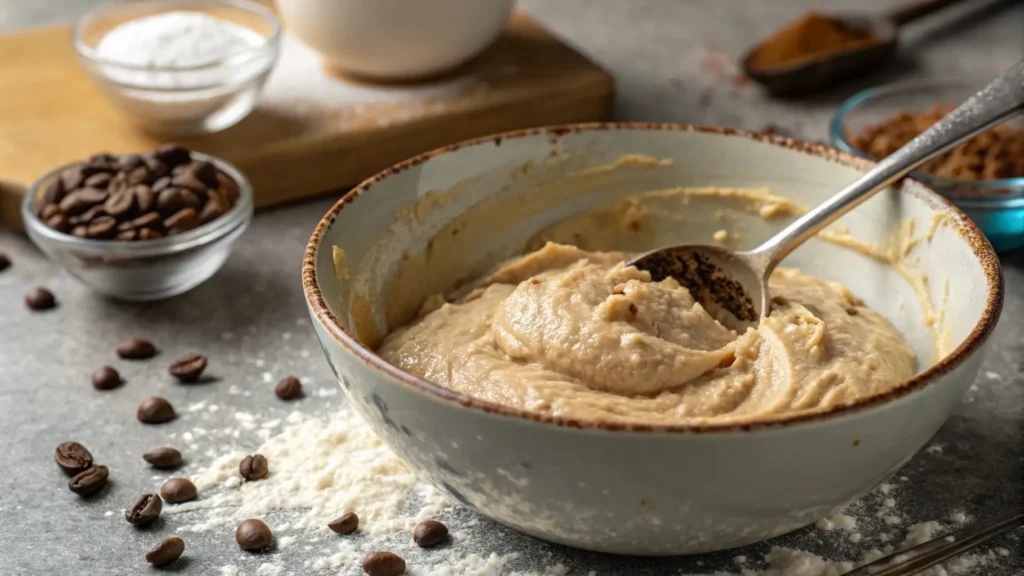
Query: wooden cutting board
[{"x": 313, "y": 131}]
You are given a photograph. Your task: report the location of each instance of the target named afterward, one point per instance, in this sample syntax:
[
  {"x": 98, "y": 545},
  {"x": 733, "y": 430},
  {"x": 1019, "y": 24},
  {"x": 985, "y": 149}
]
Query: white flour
[
  {"x": 325, "y": 468},
  {"x": 176, "y": 40}
]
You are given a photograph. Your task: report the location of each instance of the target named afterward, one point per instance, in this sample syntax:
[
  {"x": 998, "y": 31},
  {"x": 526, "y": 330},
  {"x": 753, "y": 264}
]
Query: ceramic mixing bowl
[{"x": 644, "y": 489}]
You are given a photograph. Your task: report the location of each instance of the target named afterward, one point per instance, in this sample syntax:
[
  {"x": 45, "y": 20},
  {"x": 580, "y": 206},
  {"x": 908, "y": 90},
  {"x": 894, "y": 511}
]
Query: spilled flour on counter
[{"x": 323, "y": 467}]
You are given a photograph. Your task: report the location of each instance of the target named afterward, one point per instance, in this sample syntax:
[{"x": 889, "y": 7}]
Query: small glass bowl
[
  {"x": 996, "y": 206},
  {"x": 188, "y": 100},
  {"x": 142, "y": 270}
]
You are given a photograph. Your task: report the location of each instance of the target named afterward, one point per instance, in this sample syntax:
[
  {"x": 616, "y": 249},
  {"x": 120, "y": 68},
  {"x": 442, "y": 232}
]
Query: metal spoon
[
  {"x": 816, "y": 72},
  {"x": 737, "y": 282}
]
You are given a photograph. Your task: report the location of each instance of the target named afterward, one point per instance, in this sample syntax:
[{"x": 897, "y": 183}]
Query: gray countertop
[{"x": 251, "y": 318}]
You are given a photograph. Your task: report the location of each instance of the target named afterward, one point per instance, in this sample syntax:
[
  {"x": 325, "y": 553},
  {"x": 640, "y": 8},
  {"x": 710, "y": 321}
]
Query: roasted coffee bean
[
  {"x": 5, "y": 261},
  {"x": 346, "y": 524},
  {"x": 155, "y": 410},
  {"x": 89, "y": 215},
  {"x": 81, "y": 200},
  {"x": 172, "y": 155},
  {"x": 188, "y": 368},
  {"x": 383, "y": 564},
  {"x": 146, "y": 220},
  {"x": 288, "y": 388},
  {"x": 48, "y": 211},
  {"x": 429, "y": 533},
  {"x": 149, "y": 234},
  {"x": 136, "y": 349},
  {"x": 254, "y": 467},
  {"x": 79, "y": 231},
  {"x": 144, "y": 197},
  {"x": 182, "y": 220},
  {"x": 59, "y": 222},
  {"x": 54, "y": 191},
  {"x": 157, "y": 169},
  {"x": 99, "y": 181},
  {"x": 72, "y": 178},
  {"x": 227, "y": 187},
  {"x": 166, "y": 552},
  {"x": 178, "y": 490},
  {"x": 126, "y": 235},
  {"x": 128, "y": 162},
  {"x": 212, "y": 210},
  {"x": 120, "y": 202},
  {"x": 205, "y": 172},
  {"x": 173, "y": 199},
  {"x": 73, "y": 458},
  {"x": 253, "y": 535},
  {"x": 40, "y": 299},
  {"x": 102, "y": 227},
  {"x": 189, "y": 181},
  {"x": 118, "y": 182},
  {"x": 161, "y": 184},
  {"x": 103, "y": 161},
  {"x": 144, "y": 510},
  {"x": 163, "y": 457},
  {"x": 105, "y": 378},
  {"x": 139, "y": 175},
  {"x": 89, "y": 481}
]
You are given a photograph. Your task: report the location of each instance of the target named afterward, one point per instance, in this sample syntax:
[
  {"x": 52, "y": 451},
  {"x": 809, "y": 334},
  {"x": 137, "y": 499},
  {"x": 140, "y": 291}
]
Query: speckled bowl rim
[{"x": 968, "y": 231}]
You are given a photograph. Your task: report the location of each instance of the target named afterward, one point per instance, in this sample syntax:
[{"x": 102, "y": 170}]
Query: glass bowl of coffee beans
[
  {"x": 140, "y": 226},
  {"x": 983, "y": 176}
]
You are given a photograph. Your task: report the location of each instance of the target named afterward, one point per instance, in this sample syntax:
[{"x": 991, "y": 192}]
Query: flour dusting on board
[{"x": 299, "y": 78}]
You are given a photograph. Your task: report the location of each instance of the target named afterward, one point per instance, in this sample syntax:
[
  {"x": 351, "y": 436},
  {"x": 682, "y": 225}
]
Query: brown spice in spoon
[{"x": 812, "y": 35}]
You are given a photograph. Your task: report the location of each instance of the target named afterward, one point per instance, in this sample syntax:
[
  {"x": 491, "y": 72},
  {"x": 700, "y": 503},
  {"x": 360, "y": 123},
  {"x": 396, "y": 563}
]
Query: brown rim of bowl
[{"x": 967, "y": 230}]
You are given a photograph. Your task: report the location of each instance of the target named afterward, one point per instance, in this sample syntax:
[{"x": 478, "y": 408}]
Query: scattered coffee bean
[
  {"x": 254, "y": 467},
  {"x": 144, "y": 510},
  {"x": 254, "y": 535},
  {"x": 100, "y": 199},
  {"x": 177, "y": 490},
  {"x": 105, "y": 378},
  {"x": 188, "y": 368},
  {"x": 346, "y": 524},
  {"x": 163, "y": 457},
  {"x": 90, "y": 481},
  {"x": 73, "y": 458},
  {"x": 383, "y": 564},
  {"x": 155, "y": 410},
  {"x": 5, "y": 261},
  {"x": 136, "y": 349},
  {"x": 166, "y": 552},
  {"x": 288, "y": 388},
  {"x": 429, "y": 533},
  {"x": 40, "y": 299}
]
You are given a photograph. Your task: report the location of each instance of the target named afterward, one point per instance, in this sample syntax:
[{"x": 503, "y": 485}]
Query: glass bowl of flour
[{"x": 180, "y": 67}]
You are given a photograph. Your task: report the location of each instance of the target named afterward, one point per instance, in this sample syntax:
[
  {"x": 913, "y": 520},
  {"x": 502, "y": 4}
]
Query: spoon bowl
[{"x": 816, "y": 72}]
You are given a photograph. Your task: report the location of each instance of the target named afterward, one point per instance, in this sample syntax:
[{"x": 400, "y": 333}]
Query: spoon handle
[
  {"x": 998, "y": 101},
  {"x": 911, "y": 12}
]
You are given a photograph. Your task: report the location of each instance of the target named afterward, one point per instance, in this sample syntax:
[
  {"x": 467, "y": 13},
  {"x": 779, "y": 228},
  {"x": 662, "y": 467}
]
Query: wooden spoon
[{"x": 815, "y": 72}]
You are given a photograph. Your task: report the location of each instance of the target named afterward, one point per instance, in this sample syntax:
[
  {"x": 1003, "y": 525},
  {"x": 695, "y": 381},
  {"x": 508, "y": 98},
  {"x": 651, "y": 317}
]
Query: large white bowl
[
  {"x": 396, "y": 39},
  {"x": 646, "y": 489}
]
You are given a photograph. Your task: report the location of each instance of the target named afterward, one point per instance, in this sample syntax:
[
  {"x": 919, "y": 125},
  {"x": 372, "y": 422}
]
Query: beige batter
[{"x": 576, "y": 334}]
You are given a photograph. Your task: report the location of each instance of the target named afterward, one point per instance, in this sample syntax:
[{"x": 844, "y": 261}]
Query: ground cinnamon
[{"x": 812, "y": 35}]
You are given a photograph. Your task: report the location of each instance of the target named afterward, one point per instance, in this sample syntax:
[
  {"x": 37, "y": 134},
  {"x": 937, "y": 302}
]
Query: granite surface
[{"x": 671, "y": 62}]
